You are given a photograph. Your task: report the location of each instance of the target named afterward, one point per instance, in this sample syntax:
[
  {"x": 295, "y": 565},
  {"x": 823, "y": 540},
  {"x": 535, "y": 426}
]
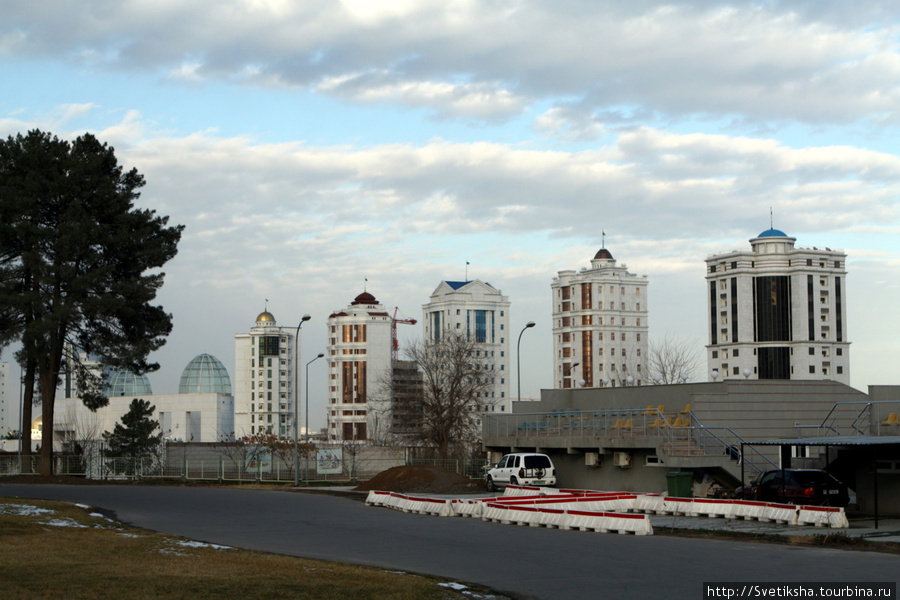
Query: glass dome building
[
  {"x": 126, "y": 383},
  {"x": 205, "y": 374}
]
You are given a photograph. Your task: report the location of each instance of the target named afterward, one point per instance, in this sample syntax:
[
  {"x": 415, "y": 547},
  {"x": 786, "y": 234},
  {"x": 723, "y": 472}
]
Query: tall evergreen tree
[
  {"x": 78, "y": 264},
  {"x": 134, "y": 437}
]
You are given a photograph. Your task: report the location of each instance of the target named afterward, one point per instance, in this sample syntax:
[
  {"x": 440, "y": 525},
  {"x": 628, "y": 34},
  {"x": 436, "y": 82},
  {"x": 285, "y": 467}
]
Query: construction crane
[{"x": 395, "y": 345}]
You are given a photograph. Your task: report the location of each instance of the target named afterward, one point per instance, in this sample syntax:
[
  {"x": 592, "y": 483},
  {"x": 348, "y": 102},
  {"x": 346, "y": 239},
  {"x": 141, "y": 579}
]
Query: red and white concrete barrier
[
  {"x": 543, "y": 509},
  {"x": 582, "y": 520}
]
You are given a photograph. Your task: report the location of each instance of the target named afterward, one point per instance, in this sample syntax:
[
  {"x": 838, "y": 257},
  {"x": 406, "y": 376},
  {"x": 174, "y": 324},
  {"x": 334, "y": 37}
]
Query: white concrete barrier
[
  {"x": 779, "y": 513},
  {"x": 494, "y": 511},
  {"x": 711, "y": 507},
  {"x": 610, "y": 522},
  {"x": 604, "y": 522},
  {"x": 467, "y": 508},
  {"x": 426, "y": 506},
  {"x": 596, "y": 503},
  {"x": 376, "y": 498},
  {"x": 416, "y": 504},
  {"x": 674, "y": 506},
  {"x": 530, "y": 490},
  {"x": 521, "y": 505},
  {"x": 646, "y": 503},
  {"x": 823, "y": 516}
]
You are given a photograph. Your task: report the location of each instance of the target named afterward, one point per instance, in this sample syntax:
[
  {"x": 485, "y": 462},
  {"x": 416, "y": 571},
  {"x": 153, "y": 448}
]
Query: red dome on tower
[{"x": 364, "y": 298}]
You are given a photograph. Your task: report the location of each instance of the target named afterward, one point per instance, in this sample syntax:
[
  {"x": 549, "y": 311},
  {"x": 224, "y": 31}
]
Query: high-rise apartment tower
[
  {"x": 264, "y": 379},
  {"x": 599, "y": 325},
  {"x": 778, "y": 312},
  {"x": 359, "y": 367},
  {"x": 480, "y": 312}
]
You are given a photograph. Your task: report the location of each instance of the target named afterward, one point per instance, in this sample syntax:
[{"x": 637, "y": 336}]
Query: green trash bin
[{"x": 678, "y": 484}]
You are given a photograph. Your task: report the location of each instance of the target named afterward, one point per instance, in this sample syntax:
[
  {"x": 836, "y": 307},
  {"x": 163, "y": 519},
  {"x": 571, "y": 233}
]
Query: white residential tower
[
  {"x": 359, "y": 367},
  {"x": 600, "y": 325},
  {"x": 480, "y": 312},
  {"x": 778, "y": 312}
]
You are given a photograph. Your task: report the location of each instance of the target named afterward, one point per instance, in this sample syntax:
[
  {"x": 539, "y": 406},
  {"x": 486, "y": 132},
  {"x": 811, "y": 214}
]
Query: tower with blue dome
[{"x": 777, "y": 311}]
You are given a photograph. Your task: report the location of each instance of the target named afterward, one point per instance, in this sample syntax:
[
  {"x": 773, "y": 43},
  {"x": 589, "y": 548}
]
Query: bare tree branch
[
  {"x": 672, "y": 361},
  {"x": 455, "y": 381}
]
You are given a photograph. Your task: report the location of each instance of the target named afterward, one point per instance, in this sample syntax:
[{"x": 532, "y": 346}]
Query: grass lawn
[{"x": 60, "y": 550}]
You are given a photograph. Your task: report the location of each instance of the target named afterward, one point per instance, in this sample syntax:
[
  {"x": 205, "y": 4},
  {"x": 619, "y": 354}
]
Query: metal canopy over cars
[
  {"x": 833, "y": 440},
  {"x": 860, "y": 441}
]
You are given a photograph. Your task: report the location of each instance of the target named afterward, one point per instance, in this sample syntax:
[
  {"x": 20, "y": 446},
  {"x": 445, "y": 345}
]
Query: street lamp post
[
  {"x": 320, "y": 355},
  {"x": 303, "y": 320},
  {"x": 528, "y": 325}
]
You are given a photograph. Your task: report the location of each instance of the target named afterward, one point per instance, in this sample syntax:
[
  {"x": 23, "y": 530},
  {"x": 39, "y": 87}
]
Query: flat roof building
[{"x": 202, "y": 411}]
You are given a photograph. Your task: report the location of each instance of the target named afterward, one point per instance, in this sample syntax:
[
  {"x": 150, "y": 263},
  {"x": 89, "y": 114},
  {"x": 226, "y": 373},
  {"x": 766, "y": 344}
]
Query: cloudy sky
[{"x": 309, "y": 146}]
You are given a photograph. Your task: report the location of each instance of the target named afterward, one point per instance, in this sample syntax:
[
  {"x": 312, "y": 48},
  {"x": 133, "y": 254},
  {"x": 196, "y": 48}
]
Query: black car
[{"x": 796, "y": 486}]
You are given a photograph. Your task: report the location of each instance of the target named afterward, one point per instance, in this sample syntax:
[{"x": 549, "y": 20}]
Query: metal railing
[
  {"x": 353, "y": 470},
  {"x": 624, "y": 422},
  {"x": 724, "y": 441},
  {"x": 679, "y": 434},
  {"x": 869, "y": 419}
]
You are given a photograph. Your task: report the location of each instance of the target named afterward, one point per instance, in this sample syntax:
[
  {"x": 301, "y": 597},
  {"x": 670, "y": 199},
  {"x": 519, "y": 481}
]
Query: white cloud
[
  {"x": 68, "y": 112},
  {"x": 482, "y": 101},
  {"x": 187, "y": 72},
  {"x": 759, "y": 62},
  {"x": 301, "y": 205}
]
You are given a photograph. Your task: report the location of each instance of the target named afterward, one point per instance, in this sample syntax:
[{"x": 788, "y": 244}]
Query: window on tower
[{"x": 268, "y": 345}]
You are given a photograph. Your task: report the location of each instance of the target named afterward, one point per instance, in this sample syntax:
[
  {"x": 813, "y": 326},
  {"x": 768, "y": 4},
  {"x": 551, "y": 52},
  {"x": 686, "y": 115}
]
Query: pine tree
[
  {"x": 79, "y": 264},
  {"x": 134, "y": 437}
]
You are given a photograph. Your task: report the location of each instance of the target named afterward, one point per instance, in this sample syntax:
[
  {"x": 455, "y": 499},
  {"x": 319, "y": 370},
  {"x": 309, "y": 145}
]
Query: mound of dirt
[{"x": 419, "y": 480}]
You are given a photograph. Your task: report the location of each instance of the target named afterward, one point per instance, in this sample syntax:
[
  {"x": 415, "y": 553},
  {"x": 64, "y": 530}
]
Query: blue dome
[
  {"x": 773, "y": 233},
  {"x": 126, "y": 383},
  {"x": 205, "y": 374}
]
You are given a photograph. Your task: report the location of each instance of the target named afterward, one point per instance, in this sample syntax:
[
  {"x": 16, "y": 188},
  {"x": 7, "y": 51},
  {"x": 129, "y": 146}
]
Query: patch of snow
[
  {"x": 84, "y": 506},
  {"x": 64, "y": 523},
  {"x": 193, "y": 544},
  {"x": 23, "y": 510},
  {"x": 454, "y": 586}
]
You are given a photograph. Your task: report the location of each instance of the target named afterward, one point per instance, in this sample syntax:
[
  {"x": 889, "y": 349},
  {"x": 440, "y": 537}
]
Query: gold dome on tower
[{"x": 265, "y": 316}]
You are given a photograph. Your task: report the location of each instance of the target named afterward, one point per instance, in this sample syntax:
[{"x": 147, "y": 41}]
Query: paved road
[{"x": 523, "y": 562}]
